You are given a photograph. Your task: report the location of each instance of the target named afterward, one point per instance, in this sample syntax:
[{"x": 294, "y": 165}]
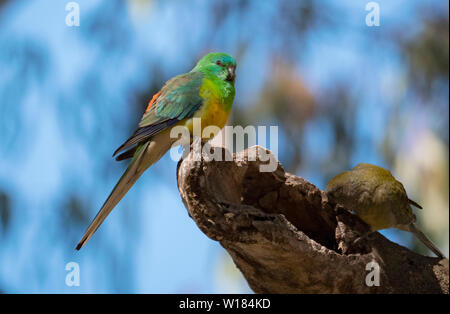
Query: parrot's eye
[{"x": 219, "y": 63}]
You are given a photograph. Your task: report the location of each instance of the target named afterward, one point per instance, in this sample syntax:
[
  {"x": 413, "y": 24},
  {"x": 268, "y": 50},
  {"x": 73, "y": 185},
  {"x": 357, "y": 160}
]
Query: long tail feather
[
  {"x": 424, "y": 239},
  {"x": 126, "y": 181}
]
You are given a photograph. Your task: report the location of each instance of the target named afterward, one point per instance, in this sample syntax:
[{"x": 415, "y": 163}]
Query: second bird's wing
[{"x": 178, "y": 99}]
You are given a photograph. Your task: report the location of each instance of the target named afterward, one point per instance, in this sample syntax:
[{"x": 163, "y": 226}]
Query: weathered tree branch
[{"x": 287, "y": 237}]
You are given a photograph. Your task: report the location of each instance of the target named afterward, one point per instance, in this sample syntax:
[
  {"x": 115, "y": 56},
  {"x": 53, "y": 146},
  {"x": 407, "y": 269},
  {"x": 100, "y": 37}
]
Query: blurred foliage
[
  {"x": 428, "y": 55},
  {"x": 73, "y": 214}
]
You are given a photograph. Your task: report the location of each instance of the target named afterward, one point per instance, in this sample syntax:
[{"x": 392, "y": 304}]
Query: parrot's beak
[{"x": 231, "y": 73}]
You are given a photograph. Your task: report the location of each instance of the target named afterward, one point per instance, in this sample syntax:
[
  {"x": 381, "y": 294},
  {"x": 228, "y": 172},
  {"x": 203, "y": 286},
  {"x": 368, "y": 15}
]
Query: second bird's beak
[{"x": 231, "y": 73}]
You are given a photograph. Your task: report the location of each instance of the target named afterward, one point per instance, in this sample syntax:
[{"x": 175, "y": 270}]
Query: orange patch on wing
[{"x": 152, "y": 101}]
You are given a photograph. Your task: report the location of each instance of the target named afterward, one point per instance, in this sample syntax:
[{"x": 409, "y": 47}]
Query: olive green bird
[
  {"x": 378, "y": 198},
  {"x": 206, "y": 92}
]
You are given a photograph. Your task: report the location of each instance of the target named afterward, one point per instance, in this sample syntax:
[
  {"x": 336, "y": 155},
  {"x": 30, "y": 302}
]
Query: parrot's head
[{"x": 218, "y": 64}]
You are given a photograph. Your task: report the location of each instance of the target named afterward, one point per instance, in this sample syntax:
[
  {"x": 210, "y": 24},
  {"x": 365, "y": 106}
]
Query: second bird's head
[{"x": 219, "y": 64}]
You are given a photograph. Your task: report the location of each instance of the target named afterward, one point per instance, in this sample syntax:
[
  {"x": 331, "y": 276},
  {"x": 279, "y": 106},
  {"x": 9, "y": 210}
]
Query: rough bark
[{"x": 286, "y": 236}]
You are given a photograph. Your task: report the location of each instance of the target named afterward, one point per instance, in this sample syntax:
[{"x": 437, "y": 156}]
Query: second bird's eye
[{"x": 219, "y": 63}]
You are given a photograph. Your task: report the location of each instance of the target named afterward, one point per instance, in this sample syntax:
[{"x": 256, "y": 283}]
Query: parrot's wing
[{"x": 177, "y": 100}]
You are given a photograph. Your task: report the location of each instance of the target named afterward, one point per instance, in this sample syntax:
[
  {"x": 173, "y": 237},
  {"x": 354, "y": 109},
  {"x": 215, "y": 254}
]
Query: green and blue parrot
[{"x": 206, "y": 92}]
